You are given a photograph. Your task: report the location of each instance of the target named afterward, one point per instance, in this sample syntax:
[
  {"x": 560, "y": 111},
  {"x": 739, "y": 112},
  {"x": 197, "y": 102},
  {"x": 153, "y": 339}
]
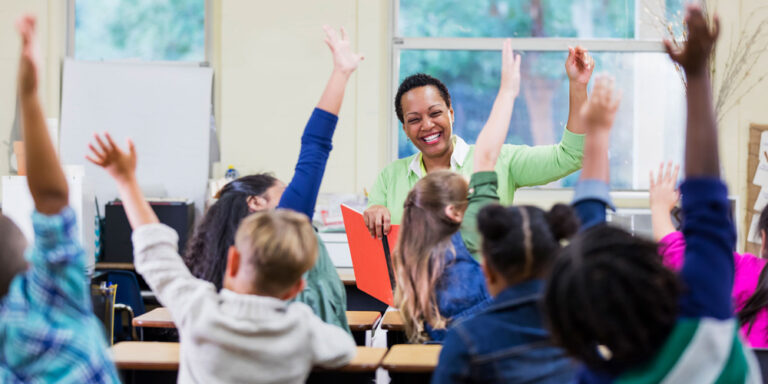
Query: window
[
  {"x": 459, "y": 42},
  {"x": 151, "y": 30}
]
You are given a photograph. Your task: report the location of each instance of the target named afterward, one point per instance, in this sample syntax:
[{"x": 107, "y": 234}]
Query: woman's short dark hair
[
  {"x": 206, "y": 253},
  {"x": 610, "y": 302},
  {"x": 520, "y": 242},
  {"x": 416, "y": 81}
]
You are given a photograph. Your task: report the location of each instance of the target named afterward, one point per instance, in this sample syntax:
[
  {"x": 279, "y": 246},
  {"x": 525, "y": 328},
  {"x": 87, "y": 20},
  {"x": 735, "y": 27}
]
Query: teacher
[{"x": 423, "y": 106}]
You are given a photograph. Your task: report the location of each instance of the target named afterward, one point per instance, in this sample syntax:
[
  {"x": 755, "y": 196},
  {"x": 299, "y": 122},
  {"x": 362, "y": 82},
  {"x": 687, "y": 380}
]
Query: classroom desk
[
  {"x": 146, "y": 355},
  {"x": 359, "y": 321},
  {"x": 411, "y": 363},
  {"x": 132, "y": 356},
  {"x": 392, "y": 322},
  {"x": 100, "y": 266}
]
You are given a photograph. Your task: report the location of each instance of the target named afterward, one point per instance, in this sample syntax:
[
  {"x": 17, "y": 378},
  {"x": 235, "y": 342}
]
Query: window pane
[
  {"x": 649, "y": 126},
  {"x": 140, "y": 29},
  {"x": 517, "y": 18}
]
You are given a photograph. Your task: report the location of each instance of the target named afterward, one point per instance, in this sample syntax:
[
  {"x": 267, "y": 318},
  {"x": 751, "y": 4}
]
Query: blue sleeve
[
  {"x": 301, "y": 193},
  {"x": 453, "y": 366},
  {"x": 58, "y": 261},
  {"x": 590, "y": 199},
  {"x": 708, "y": 268}
]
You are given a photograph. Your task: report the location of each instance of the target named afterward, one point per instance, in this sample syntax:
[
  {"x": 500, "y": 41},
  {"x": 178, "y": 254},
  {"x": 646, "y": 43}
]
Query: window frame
[
  {"x": 207, "y": 26},
  {"x": 649, "y": 40}
]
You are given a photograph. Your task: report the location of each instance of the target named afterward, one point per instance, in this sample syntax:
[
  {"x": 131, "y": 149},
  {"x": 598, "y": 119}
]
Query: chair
[
  {"x": 762, "y": 360},
  {"x": 129, "y": 295}
]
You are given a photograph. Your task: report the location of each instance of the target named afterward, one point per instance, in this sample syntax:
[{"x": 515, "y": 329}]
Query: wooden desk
[
  {"x": 347, "y": 275},
  {"x": 392, "y": 321},
  {"x": 362, "y": 320},
  {"x": 412, "y": 358},
  {"x": 156, "y": 318},
  {"x": 121, "y": 266},
  {"x": 161, "y": 318},
  {"x": 145, "y": 355}
]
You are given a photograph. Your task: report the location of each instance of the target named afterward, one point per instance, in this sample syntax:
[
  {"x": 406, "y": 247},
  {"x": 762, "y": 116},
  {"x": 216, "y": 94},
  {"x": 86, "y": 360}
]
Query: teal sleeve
[{"x": 483, "y": 190}]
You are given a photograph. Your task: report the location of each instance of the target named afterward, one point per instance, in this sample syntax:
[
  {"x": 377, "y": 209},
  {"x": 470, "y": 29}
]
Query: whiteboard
[{"x": 165, "y": 109}]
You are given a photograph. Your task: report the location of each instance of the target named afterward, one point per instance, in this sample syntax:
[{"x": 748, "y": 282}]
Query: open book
[{"x": 371, "y": 258}]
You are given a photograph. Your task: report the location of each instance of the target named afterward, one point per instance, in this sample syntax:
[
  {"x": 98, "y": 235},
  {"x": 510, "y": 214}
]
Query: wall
[{"x": 272, "y": 69}]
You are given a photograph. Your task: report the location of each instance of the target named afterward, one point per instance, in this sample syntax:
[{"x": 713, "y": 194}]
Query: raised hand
[
  {"x": 119, "y": 164},
  {"x": 663, "y": 194},
  {"x": 695, "y": 53},
  {"x": 600, "y": 110},
  {"x": 510, "y": 69},
  {"x": 579, "y": 65},
  {"x": 28, "y": 63},
  {"x": 344, "y": 59}
]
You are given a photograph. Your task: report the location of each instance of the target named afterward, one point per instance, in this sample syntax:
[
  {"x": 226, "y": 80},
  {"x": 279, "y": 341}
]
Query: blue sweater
[{"x": 316, "y": 143}]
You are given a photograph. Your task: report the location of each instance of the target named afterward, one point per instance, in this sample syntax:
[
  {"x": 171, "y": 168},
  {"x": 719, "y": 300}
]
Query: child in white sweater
[{"x": 247, "y": 332}]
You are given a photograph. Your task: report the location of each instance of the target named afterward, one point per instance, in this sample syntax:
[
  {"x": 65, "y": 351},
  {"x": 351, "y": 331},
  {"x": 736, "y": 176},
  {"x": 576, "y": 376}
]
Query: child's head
[
  {"x": 520, "y": 242},
  {"x": 610, "y": 301},
  {"x": 272, "y": 251},
  {"x": 12, "y": 246},
  {"x": 206, "y": 253},
  {"x": 758, "y": 301},
  {"x": 433, "y": 212}
]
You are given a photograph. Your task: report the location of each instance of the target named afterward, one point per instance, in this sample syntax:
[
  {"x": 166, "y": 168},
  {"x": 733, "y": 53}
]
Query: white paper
[
  {"x": 754, "y": 234},
  {"x": 761, "y": 175}
]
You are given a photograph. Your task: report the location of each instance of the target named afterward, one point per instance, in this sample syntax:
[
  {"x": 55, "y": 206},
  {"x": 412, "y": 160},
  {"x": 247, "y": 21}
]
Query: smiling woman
[{"x": 423, "y": 106}]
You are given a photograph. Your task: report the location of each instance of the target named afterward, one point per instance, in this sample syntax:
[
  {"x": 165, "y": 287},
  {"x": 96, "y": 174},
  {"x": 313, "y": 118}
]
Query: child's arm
[
  {"x": 708, "y": 270},
  {"x": 663, "y": 196},
  {"x": 491, "y": 138},
  {"x": 483, "y": 185},
  {"x": 316, "y": 142},
  {"x": 155, "y": 245},
  {"x": 45, "y": 177},
  {"x": 592, "y": 192},
  {"x": 332, "y": 346},
  {"x": 57, "y": 258}
]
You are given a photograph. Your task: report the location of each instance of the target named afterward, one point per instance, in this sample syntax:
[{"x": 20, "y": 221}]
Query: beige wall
[
  {"x": 51, "y": 16},
  {"x": 271, "y": 65},
  {"x": 272, "y": 69}
]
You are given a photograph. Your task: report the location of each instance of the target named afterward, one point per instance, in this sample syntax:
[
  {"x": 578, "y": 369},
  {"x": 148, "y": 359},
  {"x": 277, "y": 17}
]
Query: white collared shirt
[{"x": 460, "y": 151}]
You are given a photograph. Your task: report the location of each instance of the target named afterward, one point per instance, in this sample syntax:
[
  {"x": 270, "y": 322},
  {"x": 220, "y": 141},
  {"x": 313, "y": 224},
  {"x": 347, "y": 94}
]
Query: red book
[{"x": 371, "y": 258}]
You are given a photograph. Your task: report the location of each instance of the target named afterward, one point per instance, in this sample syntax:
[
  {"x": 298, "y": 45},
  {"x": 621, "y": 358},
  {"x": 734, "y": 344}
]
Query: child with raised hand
[
  {"x": 206, "y": 253},
  {"x": 247, "y": 332},
  {"x": 750, "y": 283},
  {"x": 438, "y": 278},
  {"x": 610, "y": 301},
  {"x": 48, "y": 332}
]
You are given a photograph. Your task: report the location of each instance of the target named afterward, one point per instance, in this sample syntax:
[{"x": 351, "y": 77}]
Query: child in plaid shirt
[{"x": 48, "y": 332}]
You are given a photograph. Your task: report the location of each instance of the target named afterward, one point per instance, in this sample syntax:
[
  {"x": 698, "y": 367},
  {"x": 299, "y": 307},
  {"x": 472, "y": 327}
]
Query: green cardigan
[{"x": 517, "y": 166}]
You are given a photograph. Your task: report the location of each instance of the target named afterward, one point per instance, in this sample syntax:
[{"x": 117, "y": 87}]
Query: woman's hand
[
  {"x": 344, "y": 60},
  {"x": 377, "y": 218},
  {"x": 579, "y": 65}
]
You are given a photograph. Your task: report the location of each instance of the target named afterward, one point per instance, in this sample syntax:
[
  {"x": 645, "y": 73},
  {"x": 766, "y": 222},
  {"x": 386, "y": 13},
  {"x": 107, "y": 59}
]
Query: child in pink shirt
[{"x": 750, "y": 297}]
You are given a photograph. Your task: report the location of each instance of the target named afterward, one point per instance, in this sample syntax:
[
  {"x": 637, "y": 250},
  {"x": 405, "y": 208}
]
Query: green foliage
[{"x": 171, "y": 30}]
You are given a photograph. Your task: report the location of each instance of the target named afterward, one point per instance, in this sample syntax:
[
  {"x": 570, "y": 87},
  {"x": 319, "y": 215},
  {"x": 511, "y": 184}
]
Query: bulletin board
[{"x": 753, "y": 190}]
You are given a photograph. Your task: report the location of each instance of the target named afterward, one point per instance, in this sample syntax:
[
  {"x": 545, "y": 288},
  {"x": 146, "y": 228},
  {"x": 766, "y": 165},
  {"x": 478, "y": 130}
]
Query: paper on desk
[{"x": 754, "y": 234}]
